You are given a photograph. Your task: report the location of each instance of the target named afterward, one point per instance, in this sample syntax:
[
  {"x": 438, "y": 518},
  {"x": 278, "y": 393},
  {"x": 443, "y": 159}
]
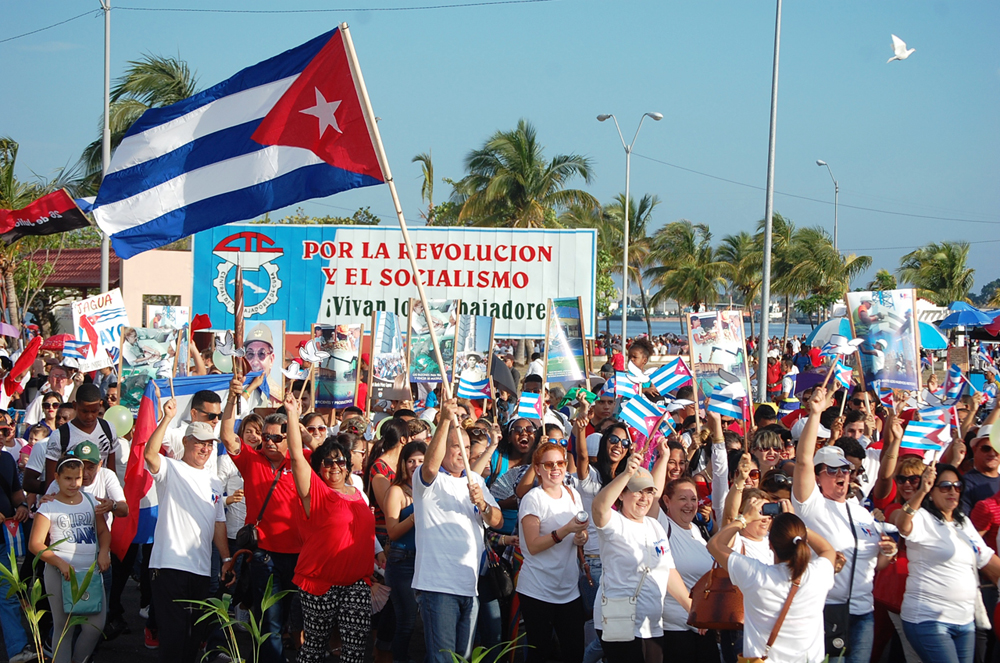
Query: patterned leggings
[{"x": 350, "y": 608}]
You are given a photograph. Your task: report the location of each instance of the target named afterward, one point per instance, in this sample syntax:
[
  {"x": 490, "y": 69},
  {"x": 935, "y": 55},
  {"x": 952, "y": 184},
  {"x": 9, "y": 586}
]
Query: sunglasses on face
[
  {"x": 754, "y": 474},
  {"x": 277, "y": 438},
  {"x": 834, "y": 471},
  {"x": 625, "y": 443},
  {"x": 50, "y": 406},
  {"x": 211, "y": 416},
  {"x": 522, "y": 430},
  {"x": 554, "y": 464},
  {"x": 912, "y": 479},
  {"x": 946, "y": 486},
  {"x": 260, "y": 354},
  {"x": 857, "y": 401},
  {"x": 330, "y": 462},
  {"x": 316, "y": 430}
]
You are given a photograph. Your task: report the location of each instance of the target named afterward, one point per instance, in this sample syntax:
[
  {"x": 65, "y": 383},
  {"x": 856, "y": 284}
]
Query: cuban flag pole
[
  {"x": 530, "y": 406},
  {"x": 285, "y": 130},
  {"x": 670, "y": 376},
  {"x": 138, "y": 526}
]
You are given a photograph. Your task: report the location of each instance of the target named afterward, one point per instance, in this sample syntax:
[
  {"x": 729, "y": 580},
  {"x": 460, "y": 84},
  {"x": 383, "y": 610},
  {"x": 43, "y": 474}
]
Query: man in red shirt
[{"x": 273, "y": 505}]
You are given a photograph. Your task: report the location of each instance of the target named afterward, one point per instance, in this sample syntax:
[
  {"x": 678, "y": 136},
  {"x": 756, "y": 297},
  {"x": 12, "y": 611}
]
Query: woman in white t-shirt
[
  {"x": 945, "y": 553},
  {"x": 83, "y": 539},
  {"x": 547, "y": 584},
  {"x": 766, "y": 588},
  {"x": 636, "y": 556},
  {"x": 692, "y": 560}
]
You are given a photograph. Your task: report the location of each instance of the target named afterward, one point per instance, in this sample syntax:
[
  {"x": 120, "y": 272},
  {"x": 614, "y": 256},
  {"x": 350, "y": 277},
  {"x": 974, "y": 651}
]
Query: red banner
[{"x": 50, "y": 214}]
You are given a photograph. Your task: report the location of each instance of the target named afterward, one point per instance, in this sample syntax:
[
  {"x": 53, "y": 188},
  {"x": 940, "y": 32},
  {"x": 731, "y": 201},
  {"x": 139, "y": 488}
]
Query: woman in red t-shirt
[{"x": 338, "y": 547}]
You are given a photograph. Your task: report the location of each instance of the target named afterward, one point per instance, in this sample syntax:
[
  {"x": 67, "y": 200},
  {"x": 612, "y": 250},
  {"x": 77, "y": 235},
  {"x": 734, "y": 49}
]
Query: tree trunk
[
  {"x": 645, "y": 310},
  {"x": 788, "y": 315},
  {"x": 749, "y": 306},
  {"x": 520, "y": 352},
  {"x": 12, "y": 307}
]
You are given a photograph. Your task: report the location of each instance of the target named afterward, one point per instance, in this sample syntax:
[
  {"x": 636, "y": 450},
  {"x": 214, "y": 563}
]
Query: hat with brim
[
  {"x": 822, "y": 432},
  {"x": 641, "y": 480},
  {"x": 984, "y": 434},
  {"x": 201, "y": 430},
  {"x": 831, "y": 457},
  {"x": 87, "y": 451}
]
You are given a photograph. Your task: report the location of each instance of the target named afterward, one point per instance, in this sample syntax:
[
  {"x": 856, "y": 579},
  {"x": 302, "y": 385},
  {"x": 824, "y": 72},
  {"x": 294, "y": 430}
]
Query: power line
[
  {"x": 462, "y": 5},
  {"x": 818, "y": 200},
  {"x": 92, "y": 12},
  {"x": 900, "y": 248}
]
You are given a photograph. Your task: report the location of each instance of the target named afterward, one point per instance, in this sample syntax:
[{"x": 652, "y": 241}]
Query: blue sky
[{"x": 916, "y": 137}]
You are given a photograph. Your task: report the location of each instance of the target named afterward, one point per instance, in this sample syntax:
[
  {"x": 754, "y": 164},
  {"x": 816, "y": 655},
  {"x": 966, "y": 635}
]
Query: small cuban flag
[
  {"x": 885, "y": 395},
  {"x": 75, "y": 349},
  {"x": 932, "y": 432},
  {"x": 842, "y": 374},
  {"x": 985, "y": 357},
  {"x": 954, "y": 385},
  {"x": 530, "y": 406},
  {"x": 727, "y": 400},
  {"x": 472, "y": 389},
  {"x": 641, "y": 414},
  {"x": 625, "y": 387},
  {"x": 670, "y": 376},
  {"x": 608, "y": 388}
]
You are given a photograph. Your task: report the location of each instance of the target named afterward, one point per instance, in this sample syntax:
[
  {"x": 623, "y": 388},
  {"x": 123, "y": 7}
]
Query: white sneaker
[
  {"x": 27, "y": 654},
  {"x": 144, "y": 612}
]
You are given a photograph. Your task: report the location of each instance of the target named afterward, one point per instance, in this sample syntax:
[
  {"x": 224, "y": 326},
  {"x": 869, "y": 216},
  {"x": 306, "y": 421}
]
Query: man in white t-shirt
[
  {"x": 449, "y": 512},
  {"x": 86, "y": 426},
  {"x": 191, "y": 516},
  {"x": 206, "y": 406}
]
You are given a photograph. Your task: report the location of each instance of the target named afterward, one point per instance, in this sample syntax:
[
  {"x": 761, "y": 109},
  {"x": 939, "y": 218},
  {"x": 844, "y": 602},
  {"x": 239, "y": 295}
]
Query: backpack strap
[{"x": 64, "y": 438}]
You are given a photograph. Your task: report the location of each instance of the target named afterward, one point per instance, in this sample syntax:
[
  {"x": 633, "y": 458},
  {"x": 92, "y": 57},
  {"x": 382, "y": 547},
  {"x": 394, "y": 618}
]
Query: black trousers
[
  {"x": 640, "y": 650},
  {"x": 121, "y": 571},
  {"x": 180, "y": 638},
  {"x": 540, "y": 618},
  {"x": 691, "y": 647}
]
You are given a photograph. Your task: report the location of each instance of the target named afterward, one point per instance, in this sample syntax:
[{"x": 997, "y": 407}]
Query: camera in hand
[{"x": 771, "y": 509}]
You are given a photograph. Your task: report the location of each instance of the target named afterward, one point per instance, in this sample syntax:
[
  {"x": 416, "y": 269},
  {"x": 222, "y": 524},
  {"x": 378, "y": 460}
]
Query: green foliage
[
  {"x": 606, "y": 292},
  {"x": 481, "y": 654},
  {"x": 989, "y": 295},
  {"x": 938, "y": 271},
  {"x": 362, "y": 217},
  {"x": 445, "y": 214},
  {"x": 687, "y": 270},
  {"x": 883, "y": 280}
]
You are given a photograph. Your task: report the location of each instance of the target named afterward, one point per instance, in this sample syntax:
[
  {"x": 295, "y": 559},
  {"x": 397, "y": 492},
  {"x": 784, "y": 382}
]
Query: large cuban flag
[{"x": 285, "y": 130}]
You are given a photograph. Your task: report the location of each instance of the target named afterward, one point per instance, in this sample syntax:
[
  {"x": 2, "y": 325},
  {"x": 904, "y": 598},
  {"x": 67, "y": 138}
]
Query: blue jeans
[
  {"x": 942, "y": 643},
  {"x": 14, "y": 636},
  {"x": 280, "y": 566},
  {"x": 593, "y": 652},
  {"x": 399, "y": 577},
  {"x": 448, "y": 621},
  {"x": 489, "y": 627},
  {"x": 862, "y": 639}
]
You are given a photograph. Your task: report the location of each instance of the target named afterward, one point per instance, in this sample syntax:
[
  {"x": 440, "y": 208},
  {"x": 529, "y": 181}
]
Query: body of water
[{"x": 674, "y": 326}]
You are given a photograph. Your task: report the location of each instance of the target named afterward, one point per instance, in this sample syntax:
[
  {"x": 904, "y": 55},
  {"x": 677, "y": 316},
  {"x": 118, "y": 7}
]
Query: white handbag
[{"x": 618, "y": 615}]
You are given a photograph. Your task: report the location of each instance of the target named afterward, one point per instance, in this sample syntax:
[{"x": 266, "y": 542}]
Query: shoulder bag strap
[
  {"x": 277, "y": 477},
  {"x": 781, "y": 619},
  {"x": 854, "y": 556}
]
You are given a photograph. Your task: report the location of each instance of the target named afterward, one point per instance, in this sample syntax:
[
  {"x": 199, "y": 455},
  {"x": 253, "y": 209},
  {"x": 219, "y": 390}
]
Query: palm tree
[
  {"x": 883, "y": 280},
  {"x": 510, "y": 184},
  {"x": 427, "y": 187},
  {"x": 744, "y": 265},
  {"x": 150, "y": 82},
  {"x": 639, "y": 246},
  {"x": 939, "y": 272},
  {"x": 686, "y": 268}
]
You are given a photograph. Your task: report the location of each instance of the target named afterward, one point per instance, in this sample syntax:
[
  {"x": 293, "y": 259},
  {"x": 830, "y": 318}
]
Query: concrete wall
[{"x": 156, "y": 273}]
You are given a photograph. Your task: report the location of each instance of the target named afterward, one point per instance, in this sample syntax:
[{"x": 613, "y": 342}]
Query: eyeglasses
[
  {"x": 986, "y": 447},
  {"x": 834, "y": 471},
  {"x": 277, "y": 438},
  {"x": 316, "y": 430},
  {"x": 754, "y": 474},
  {"x": 204, "y": 443},
  {"x": 780, "y": 479},
  {"x": 330, "y": 462},
  {"x": 946, "y": 486},
  {"x": 912, "y": 479},
  {"x": 522, "y": 430},
  {"x": 857, "y": 401},
  {"x": 59, "y": 377},
  {"x": 50, "y": 406},
  {"x": 554, "y": 465},
  {"x": 260, "y": 354},
  {"x": 211, "y": 416},
  {"x": 624, "y": 442}
]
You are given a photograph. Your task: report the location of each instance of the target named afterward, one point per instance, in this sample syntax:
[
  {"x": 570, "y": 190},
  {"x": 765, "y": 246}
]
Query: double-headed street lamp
[
  {"x": 628, "y": 173},
  {"x": 836, "y": 198}
]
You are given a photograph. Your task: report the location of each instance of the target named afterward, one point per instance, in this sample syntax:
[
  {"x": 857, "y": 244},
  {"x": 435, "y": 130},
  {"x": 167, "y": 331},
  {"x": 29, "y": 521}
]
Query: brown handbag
[{"x": 716, "y": 603}]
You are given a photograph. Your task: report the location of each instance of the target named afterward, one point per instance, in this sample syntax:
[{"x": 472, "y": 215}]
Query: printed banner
[
  {"x": 717, "y": 343},
  {"x": 337, "y": 376},
  {"x": 264, "y": 347},
  {"x": 98, "y": 320},
  {"x": 147, "y": 354},
  {"x": 473, "y": 344},
  {"x": 167, "y": 317},
  {"x": 342, "y": 274},
  {"x": 885, "y": 321},
  {"x": 423, "y": 366},
  {"x": 565, "y": 356},
  {"x": 388, "y": 368}
]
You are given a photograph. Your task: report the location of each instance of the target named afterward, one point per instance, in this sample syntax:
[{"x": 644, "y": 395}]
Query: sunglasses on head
[
  {"x": 945, "y": 486},
  {"x": 554, "y": 464},
  {"x": 623, "y": 441},
  {"x": 913, "y": 479},
  {"x": 781, "y": 479},
  {"x": 211, "y": 416},
  {"x": 330, "y": 462},
  {"x": 273, "y": 437}
]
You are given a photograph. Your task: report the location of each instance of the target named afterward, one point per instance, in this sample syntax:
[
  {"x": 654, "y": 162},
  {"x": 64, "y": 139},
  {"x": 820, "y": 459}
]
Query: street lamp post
[
  {"x": 836, "y": 198},
  {"x": 628, "y": 174}
]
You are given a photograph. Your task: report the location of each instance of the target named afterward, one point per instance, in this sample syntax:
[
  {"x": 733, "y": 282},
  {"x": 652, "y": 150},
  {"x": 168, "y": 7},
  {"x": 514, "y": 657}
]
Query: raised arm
[
  {"x": 580, "y": 433},
  {"x": 889, "y": 456},
  {"x": 155, "y": 441},
  {"x": 735, "y": 496},
  {"x": 301, "y": 471},
  {"x": 227, "y": 430},
  {"x": 604, "y": 500},
  {"x": 438, "y": 444},
  {"x": 720, "y": 464},
  {"x": 903, "y": 518},
  {"x": 480, "y": 464},
  {"x": 804, "y": 481}
]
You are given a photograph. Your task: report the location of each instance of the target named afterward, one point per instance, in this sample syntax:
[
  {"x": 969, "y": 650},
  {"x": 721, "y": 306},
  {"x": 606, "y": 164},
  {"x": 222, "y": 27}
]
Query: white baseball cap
[
  {"x": 831, "y": 457},
  {"x": 822, "y": 432}
]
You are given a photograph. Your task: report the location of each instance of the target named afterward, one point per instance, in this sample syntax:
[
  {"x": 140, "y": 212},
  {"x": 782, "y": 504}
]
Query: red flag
[
  {"x": 50, "y": 214},
  {"x": 138, "y": 480},
  {"x": 12, "y": 383}
]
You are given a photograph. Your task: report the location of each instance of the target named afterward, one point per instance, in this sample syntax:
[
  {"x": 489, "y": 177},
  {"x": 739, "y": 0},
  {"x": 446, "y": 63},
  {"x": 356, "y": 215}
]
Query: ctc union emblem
[{"x": 255, "y": 252}]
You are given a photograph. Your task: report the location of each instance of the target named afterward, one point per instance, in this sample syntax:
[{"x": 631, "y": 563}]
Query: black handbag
[
  {"x": 837, "y": 616},
  {"x": 497, "y": 579},
  {"x": 247, "y": 537}
]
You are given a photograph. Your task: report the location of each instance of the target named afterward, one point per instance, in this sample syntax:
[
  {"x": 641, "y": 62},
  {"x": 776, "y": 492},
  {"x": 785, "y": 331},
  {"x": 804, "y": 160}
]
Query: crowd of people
[{"x": 575, "y": 534}]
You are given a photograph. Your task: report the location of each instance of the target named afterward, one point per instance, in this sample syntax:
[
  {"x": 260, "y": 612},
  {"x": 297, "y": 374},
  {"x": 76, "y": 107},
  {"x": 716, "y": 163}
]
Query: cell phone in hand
[{"x": 771, "y": 509}]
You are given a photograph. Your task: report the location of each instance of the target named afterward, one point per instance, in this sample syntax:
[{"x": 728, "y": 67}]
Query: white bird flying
[
  {"x": 311, "y": 353},
  {"x": 899, "y": 49},
  {"x": 228, "y": 347}
]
